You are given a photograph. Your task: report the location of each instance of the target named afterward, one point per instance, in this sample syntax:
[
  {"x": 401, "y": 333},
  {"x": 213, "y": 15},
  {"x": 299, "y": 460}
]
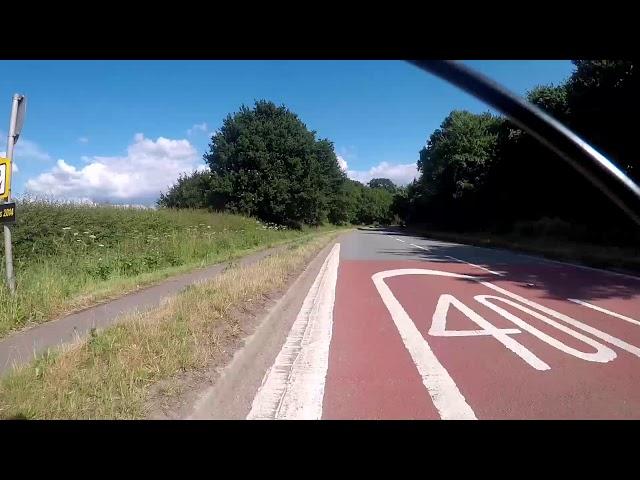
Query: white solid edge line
[
  {"x": 444, "y": 392},
  {"x": 604, "y": 310},
  {"x": 293, "y": 388}
]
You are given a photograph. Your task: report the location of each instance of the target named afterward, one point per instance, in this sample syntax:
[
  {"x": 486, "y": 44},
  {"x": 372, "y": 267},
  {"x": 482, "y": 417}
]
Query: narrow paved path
[{"x": 21, "y": 347}]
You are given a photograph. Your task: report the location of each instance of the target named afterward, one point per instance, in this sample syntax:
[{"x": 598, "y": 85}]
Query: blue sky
[{"x": 121, "y": 131}]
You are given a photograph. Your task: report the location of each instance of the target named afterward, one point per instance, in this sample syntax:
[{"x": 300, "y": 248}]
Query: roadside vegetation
[
  {"x": 481, "y": 173},
  {"x": 265, "y": 162},
  {"x": 109, "y": 376},
  {"x": 68, "y": 256},
  {"x": 269, "y": 181},
  {"x": 478, "y": 174}
]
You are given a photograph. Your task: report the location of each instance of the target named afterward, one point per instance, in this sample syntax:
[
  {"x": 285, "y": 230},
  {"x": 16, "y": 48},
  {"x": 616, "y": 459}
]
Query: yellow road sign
[{"x": 5, "y": 178}]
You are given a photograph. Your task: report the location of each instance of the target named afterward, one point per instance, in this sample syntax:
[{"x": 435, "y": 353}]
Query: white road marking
[
  {"x": 604, "y": 310},
  {"x": 603, "y": 354},
  {"x": 461, "y": 261},
  {"x": 448, "y": 400},
  {"x": 293, "y": 388},
  {"x": 548, "y": 260},
  {"x": 439, "y": 320},
  {"x": 424, "y": 358},
  {"x": 571, "y": 321},
  {"x": 500, "y": 334},
  {"x": 539, "y": 260},
  {"x": 474, "y": 265},
  {"x": 399, "y": 240}
]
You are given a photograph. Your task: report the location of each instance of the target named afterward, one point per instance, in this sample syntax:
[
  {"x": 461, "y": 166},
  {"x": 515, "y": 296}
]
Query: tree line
[
  {"x": 481, "y": 172},
  {"x": 477, "y": 172},
  {"x": 265, "y": 162}
]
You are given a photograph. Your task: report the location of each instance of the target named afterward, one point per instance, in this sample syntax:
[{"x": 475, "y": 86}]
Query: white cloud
[
  {"x": 83, "y": 140},
  {"x": 198, "y": 127},
  {"x": 399, "y": 173},
  {"x": 148, "y": 168},
  {"x": 343, "y": 163}
]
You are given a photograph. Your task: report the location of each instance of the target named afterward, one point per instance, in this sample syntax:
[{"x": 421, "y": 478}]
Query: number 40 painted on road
[{"x": 603, "y": 353}]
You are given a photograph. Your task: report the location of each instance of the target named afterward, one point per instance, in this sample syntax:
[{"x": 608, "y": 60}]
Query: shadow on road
[{"x": 555, "y": 280}]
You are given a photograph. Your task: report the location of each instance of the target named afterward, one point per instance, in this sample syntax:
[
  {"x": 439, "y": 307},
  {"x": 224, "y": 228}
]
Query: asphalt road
[{"x": 402, "y": 327}]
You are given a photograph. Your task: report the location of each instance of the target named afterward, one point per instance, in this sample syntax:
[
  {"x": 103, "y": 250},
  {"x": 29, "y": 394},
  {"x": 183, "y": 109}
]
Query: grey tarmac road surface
[{"x": 373, "y": 244}]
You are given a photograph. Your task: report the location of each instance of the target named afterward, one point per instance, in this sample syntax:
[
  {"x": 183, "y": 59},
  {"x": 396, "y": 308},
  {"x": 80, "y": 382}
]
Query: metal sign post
[{"x": 15, "y": 126}]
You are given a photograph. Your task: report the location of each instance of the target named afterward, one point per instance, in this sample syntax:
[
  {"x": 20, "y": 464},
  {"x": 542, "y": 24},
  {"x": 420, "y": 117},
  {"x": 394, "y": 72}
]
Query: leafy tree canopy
[
  {"x": 382, "y": 183},
  {"x": 266, "y": 163}
]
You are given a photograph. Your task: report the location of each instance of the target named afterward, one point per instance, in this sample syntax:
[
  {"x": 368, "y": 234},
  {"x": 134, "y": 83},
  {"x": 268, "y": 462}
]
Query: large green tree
[
  {"x": 265, "y": 162},
  {"x": 360, "y": 204},
  {"x": 374, "y": 206},
  {"x": 382, "y": 183},
  {"x": 454, "y": 166}
]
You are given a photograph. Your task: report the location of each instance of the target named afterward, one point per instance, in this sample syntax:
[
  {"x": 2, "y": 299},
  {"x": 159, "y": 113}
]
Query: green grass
[
  {"x": 70, "y": 256},
  {"x": 110, "y": 375}
]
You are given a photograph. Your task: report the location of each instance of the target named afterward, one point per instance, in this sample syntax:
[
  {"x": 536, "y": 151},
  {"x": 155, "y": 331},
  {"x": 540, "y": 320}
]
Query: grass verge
[
  {"x": 109, "y": 376},
  {"x": 71, "y": 256},
  {"x": 622, "y": 259}
]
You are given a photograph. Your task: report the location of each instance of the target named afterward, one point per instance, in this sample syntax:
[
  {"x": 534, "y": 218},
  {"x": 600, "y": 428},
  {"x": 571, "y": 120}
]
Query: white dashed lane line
[{"x": 461, "y": 261}]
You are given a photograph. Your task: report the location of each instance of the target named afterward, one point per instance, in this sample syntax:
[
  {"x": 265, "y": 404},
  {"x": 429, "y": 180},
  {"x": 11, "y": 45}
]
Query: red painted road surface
[{"x": 566, "y": 372}]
